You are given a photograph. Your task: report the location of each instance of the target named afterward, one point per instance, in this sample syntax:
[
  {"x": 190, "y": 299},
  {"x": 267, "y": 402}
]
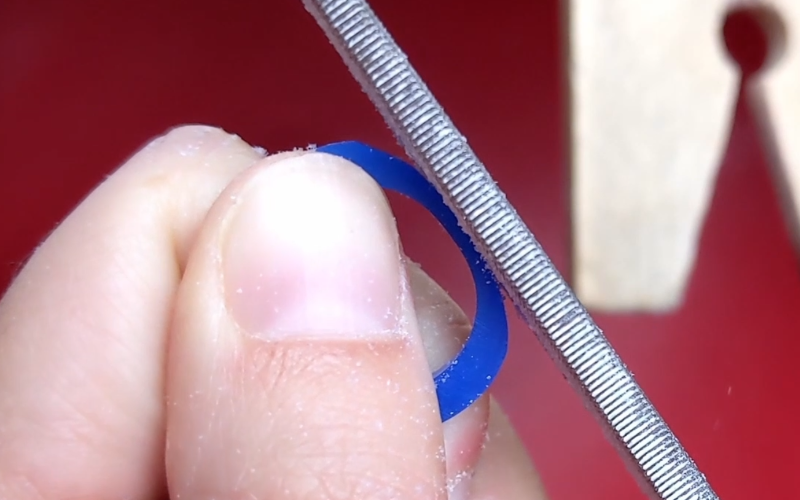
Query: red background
[{"x": 85, "y": 83}]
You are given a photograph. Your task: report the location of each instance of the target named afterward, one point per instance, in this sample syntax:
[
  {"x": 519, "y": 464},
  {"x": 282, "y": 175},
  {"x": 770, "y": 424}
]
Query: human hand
[{"x": 214, "y": 324}]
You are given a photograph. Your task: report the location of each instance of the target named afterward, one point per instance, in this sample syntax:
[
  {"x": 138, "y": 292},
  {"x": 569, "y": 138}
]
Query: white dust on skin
[
  {"x": 458, "y": 485},
  {"x": 192, "y": 148},
  {"x": 443, "y": 327}
]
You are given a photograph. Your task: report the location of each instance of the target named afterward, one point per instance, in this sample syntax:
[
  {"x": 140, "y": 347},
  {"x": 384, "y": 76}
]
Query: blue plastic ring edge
[{"x": 467, "y": 377}]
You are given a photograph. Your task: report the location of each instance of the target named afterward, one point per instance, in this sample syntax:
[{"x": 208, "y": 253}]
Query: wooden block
[
  {"x": 776, "y": 96},
  {"x": 653, "y": 93}
]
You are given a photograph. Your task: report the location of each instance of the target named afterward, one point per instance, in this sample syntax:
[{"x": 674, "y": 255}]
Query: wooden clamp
[{"x": 653, "y": 93}]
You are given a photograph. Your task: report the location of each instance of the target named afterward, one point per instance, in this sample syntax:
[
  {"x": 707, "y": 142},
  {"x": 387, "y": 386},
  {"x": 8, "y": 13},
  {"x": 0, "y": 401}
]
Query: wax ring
[{"x": 467, "y": 377}]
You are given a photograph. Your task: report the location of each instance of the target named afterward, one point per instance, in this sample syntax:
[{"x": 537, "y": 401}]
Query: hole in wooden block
[{"x": 755, "y": 37}]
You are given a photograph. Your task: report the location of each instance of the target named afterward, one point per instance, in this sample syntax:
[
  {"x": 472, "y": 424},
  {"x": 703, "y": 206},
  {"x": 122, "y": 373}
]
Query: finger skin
[
  {"x": 82, "y": 328},
  {"x": 505, "y": 471},
  {"x": 307, "y": 411}
]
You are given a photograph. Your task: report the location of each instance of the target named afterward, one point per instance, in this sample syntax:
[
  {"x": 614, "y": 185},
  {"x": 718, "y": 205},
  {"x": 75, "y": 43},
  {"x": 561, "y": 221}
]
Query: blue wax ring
[{"x": 469, "y": 375}]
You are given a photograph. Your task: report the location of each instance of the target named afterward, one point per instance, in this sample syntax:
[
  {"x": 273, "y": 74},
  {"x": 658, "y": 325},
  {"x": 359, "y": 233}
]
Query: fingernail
[{"x": 312, "y": 251}]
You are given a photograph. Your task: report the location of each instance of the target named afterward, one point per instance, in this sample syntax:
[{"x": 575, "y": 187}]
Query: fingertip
[
  {"x": 191, "y": 140},
  {"x": 314, "y": 238}
]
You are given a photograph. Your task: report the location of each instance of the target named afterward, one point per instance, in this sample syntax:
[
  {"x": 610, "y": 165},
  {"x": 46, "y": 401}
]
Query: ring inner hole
[{"x": 427, "y": 243}]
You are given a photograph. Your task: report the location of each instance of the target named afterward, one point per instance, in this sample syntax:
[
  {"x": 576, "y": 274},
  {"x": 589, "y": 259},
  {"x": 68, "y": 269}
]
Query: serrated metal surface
[{"x": 664, "y": 470}]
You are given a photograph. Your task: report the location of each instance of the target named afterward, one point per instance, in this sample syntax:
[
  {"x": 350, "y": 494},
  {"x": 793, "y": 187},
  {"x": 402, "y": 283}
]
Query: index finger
[{"x": 83, "y": 326}]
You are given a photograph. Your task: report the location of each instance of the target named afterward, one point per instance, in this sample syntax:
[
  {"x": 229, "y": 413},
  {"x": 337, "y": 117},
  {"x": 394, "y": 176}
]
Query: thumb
[{"x": 296, "y": 369}]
